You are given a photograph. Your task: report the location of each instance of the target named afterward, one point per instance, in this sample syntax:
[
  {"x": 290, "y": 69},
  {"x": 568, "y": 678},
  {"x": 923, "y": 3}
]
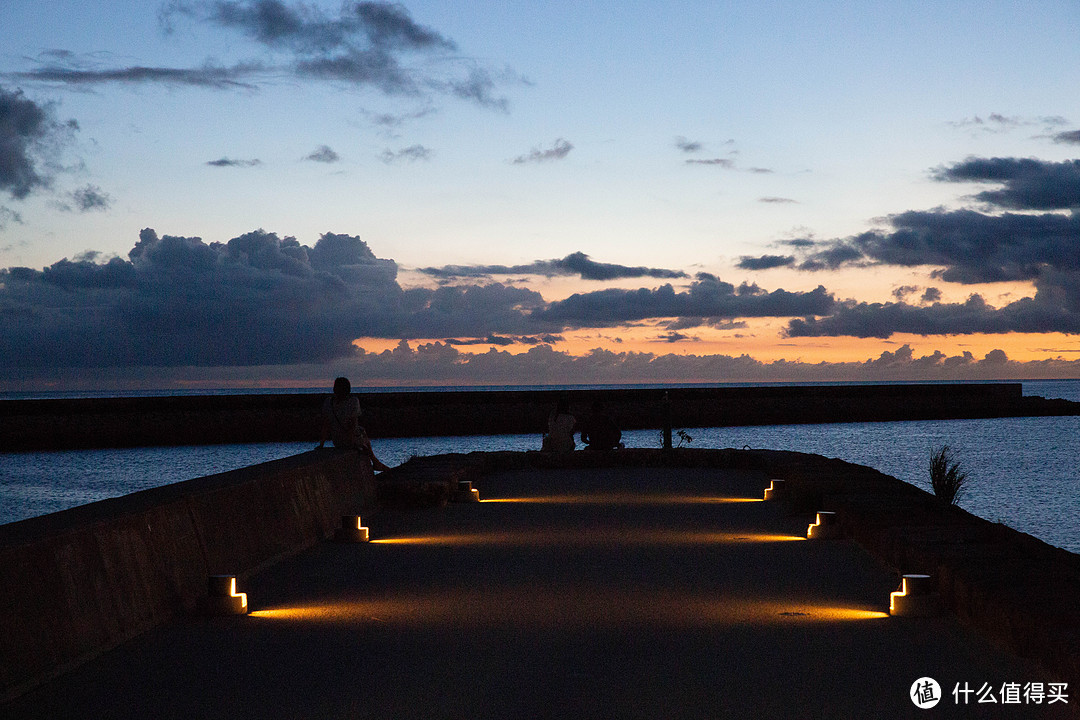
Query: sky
[{"x": 206, "y": 193}]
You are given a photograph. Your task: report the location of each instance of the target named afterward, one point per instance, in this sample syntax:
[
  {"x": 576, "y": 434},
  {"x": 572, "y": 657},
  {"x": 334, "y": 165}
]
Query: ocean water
[{"x": 1024, "y": 472}]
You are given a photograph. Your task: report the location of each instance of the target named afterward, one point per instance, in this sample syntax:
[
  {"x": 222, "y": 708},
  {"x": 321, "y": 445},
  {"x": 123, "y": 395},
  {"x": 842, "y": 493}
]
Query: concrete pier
[{"x": 637, "y": 584}]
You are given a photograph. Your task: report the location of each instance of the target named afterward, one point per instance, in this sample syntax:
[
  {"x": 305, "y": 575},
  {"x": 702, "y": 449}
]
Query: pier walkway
[{"x": 565, "y": 593}]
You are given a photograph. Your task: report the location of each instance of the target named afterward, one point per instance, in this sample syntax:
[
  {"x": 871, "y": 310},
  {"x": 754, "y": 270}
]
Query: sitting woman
[
  {"x": 341, "y": 423},
  {"x": 561, "y": 426}
]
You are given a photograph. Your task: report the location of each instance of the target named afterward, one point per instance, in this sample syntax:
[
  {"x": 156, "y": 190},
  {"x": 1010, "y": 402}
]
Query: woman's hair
[{"x": 342, "y": 386}]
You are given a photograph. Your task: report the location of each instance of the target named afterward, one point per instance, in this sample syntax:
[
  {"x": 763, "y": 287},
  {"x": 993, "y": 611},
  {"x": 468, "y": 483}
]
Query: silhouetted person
[
  {"x": 598, "y": 430},
  {"x": 341, "y": 423},
  {"x": 560, "y": 432}
]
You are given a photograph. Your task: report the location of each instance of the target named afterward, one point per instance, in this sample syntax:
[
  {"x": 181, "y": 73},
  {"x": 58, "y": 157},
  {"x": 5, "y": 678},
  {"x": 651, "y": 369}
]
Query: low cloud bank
[{"x": 442, "y": 364}]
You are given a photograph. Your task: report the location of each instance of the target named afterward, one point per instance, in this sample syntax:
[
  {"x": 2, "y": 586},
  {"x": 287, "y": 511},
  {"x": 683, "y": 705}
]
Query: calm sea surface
[{"x": 1024, "y": 472}]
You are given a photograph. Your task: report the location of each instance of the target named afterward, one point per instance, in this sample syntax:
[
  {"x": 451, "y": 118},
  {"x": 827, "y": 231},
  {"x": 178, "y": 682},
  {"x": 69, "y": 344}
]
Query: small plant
[
  {"x": 946, "y": 478},
  {"x": 684, "y": 437}
]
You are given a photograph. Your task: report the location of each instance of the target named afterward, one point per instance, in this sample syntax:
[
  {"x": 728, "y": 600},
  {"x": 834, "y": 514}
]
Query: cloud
[
  {"x": 209, "y": 76},
  {"x": 390, "y": 122},
  {"x": 258, "y": 299},
  {"x": 411, "y": 154},
  {"x": 559, "y": 150},
  {"x": 996, "y": 123},
  {"x": 90, "y": 198},
  {"x": 676, "y": 337},
  {"x": 441, "y": 363},
  {"x": 367, "y": 44},
  {"x": 504, "y": 341},
  {"x": 323, "y": 154},
  {"x": 1069, "y": 136},
  {"x": 30, "y": 140},
  {"x": 687, "y": 146},
  {"x": 7, "y": 215},
  {"x": 1029, "y": 184},
  {"x": 305, "y": 29},
  {"x": 903, "y": 291},
  {"x": 229, "y": 162},
  {"x": 765, "y": 262},
  {"x": 577, "y": 263},
  {"x": 706, "y": 297},
  {"x": 725, "y": 163},
  {"x": 777, "y": 200},
  {"x": 970, "y": 247},
  {"x": 1043, "y": 313}
]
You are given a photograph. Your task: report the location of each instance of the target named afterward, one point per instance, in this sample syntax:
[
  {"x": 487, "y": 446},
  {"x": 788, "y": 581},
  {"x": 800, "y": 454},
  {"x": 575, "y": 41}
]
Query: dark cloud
[
  {"x": 687, "y": 146},
  {"x": 675, "y": 337},
  {"x": 229, "y": 162},
  {"x": 1055, "y": 307},
  {"x": 90, "y": 198},
  {"x": 559, "y": 150},
  {"x": 706, "y": 297},
  {"x": 305, "y": 29},
  {"x": 777, "y": 200},
  {"x": 577, "y": 263},
  {"x": 371, "y": 44},
  {"x": 765, "y": 262},
  {"x": 504, "y": 341},
  {"x": 931, "y": 295},
  {"x": 969, "y": 246},
  {"x": 1069, "y": 136},
  {"x": 1029, "y": 184},
  {"x": 903, "y": 291},
  {"x": 221, "y": 78},
  {"x": 323, "y": 154},
  {"x": 410, "y": 154},
  {"x": 30, "y": 138},
  {"x": 257, "y": 299}
]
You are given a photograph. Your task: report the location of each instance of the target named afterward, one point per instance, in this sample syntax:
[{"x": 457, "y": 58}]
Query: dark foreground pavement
[{"x": 603, "y": 593}]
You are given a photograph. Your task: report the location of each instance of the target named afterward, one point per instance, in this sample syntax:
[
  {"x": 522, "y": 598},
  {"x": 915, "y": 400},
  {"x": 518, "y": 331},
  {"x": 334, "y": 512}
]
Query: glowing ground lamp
[
  {"x": 915, "y": 598},
  {"x": 824, "y": 527},
  {"x": 775, "y": 489},
  {"x": 351, "y": 531},
  {"x": 465, "y": 492},
  {"x": 223, "y": 598}
]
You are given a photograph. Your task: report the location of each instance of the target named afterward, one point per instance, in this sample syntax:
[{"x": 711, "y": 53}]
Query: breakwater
[
  {"x": 199, "y": 420},
  {"x": 80, "y": 581},
  {"x": 83, "y": 580}
]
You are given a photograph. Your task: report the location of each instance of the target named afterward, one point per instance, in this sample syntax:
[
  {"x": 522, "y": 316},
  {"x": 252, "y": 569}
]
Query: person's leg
[{"x": 366, "y": 451}]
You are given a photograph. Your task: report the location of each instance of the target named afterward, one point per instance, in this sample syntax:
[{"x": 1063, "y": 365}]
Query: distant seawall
[
  {"x": 209, "y": 419},
  {"x": 80, "y": 581}
]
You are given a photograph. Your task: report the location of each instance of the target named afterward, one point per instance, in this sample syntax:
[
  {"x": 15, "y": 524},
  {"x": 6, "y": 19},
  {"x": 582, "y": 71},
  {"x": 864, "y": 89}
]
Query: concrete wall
[{"x": 78, "y": 582}]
